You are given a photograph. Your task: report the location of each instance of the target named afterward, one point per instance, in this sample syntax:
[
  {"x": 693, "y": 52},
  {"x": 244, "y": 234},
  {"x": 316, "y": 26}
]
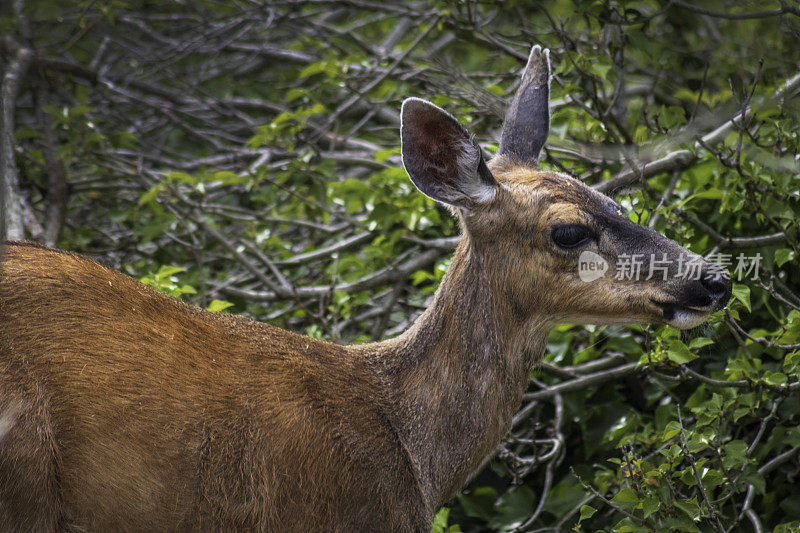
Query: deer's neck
[{"x": 458, "y": 375}]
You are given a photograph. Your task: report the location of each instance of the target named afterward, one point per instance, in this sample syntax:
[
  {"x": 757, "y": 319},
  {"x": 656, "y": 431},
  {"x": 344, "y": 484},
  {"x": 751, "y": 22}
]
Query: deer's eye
[{"x": 571, "y": 235}]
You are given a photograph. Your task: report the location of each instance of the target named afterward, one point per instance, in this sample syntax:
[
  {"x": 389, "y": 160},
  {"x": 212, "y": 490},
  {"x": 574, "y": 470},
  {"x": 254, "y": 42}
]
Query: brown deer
[{"x": 124, "y": 409}]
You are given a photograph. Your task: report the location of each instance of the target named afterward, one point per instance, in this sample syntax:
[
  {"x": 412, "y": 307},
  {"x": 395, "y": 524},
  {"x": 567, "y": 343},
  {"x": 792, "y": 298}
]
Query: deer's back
[{"x": 124, "y": 408}]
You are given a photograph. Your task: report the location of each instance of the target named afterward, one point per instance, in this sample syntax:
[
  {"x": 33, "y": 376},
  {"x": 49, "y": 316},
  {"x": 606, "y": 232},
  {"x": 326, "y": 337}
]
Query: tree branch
[
  {"x": 784, "y": 9},
  {"x": 10, "y": 197},
  {"x": 681, "y": 159},
  {"x": 57, "y": 193}
]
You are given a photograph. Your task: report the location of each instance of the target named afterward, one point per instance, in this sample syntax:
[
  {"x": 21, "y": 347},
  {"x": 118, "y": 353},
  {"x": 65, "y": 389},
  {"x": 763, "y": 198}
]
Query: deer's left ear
[
  {"x": 442, "y": 158},
  {"x": 528, "y": 119}
]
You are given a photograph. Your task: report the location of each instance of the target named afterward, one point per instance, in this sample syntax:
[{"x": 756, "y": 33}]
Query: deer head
[{"x": 554, "y": 249}]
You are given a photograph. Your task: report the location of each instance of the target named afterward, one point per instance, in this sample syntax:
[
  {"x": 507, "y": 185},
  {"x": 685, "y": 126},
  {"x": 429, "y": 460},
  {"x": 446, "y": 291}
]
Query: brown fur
[{"x": 130, "y": 410}]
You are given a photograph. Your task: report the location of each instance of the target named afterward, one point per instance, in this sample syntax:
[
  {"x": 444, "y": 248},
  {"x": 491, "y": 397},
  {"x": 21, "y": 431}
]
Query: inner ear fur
[{"x": 443, "y": 160}]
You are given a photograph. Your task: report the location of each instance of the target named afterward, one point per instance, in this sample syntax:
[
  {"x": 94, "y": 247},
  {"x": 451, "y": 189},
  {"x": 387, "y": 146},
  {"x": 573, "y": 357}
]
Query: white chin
[{"x": 686, "y": 319}]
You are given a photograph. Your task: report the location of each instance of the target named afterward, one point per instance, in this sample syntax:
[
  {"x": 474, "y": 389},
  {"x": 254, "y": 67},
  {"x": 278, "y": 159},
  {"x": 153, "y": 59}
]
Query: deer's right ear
[{"x": 442, "y": 158}]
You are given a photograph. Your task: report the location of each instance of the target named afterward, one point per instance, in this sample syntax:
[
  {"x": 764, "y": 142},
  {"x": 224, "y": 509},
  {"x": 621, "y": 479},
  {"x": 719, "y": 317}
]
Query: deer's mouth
[{"x": 682, "y": 316}]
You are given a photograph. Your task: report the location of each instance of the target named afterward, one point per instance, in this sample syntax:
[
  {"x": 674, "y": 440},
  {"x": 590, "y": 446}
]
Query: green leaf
[
  {"x": 169, "y": 270},
  {"x": 671, "y": 116},
  {"x": 699, "y": 342},
  {"x": 783, "y": 256},
  {"x": 479, "y": 502},
  {"x": 587, "y": 511},
  {"x": 383, "y": 155},
  {"x": 564, "y": 497},
  {"x": 742, "y": 293},
  {"x": 712, "y": 478},
  {"x": 180, "y": 177},
  {"x": 757, "y": 480},
  {"x": 187, "y": 289},
  {"x": 775, "y": 378},
  {"x": 293, "y": 94},
  {"x": 626, "y": 525},
  {"x": 218, "y": 305},
  {"x": 793, "y": 436},
  {"x": 151, "y": 194},
  {"x": 792, "y": 325},
  {"x": 673, "y": 428},
  {"x": 626, "y": 498},
  {"x": 440, "y": 520},
  {"x": 680, "y": 523},
  {"x": 229, "y": 178},
  {"x": 711, "y": 194},
  {"x": 496, "y": 89},
  {"x": 650, "y": 505},
  {"x": 600, "y": 68},
  {"x": 697, "y": 444},
  {"x": 688, "y": 506},
  {"x": 513, "y": 508},
  {"x": 679, "y": 353},
  {"x": 313, "y": 68},
  {"x": 734, "y": 454}
]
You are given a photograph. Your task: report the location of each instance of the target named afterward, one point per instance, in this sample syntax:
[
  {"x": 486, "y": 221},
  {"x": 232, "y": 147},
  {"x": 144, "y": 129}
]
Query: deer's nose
[{"x": 717, "y": 284}]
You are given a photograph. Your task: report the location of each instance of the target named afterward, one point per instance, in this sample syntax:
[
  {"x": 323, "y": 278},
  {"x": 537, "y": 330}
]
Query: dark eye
[{"x": 571, "y": 235}]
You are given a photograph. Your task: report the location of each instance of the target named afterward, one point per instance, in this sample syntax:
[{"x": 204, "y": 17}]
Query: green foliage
[
  {"x": 258, "y": 148},
  {"x": 166, "y": 281},
  {"x": 440, "y": 523}
]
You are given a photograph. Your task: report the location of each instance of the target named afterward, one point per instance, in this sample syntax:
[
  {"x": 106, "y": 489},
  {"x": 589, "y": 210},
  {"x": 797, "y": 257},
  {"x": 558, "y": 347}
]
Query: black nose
[{"x": 717, "y": 284}]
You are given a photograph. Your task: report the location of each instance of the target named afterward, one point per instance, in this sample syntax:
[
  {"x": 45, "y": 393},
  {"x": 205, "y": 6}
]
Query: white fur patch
[
  {"x": 469, "y": 182},
  {"x": 687, "y": 319},
  {"x": 7, "y": 419}
]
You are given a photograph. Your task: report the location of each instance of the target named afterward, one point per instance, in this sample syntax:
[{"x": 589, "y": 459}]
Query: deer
[{"x": 125, "y": 409}]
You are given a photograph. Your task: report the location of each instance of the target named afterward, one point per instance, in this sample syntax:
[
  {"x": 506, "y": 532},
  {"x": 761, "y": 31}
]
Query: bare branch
[
  {"x": 11, "y": 210},
  {"x": 784, "y": 9},
  {"x": 57, "y": 194}
]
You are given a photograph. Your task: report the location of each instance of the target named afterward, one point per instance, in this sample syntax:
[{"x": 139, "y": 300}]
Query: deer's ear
[
  {"x": 528, "y": 119},
  {"x": 441, "y": 157}
]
